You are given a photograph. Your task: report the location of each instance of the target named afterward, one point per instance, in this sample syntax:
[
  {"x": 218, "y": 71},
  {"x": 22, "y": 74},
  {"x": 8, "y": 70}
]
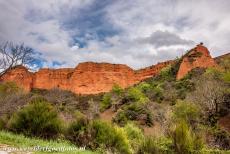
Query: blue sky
[{"x": 138, "y": 33}]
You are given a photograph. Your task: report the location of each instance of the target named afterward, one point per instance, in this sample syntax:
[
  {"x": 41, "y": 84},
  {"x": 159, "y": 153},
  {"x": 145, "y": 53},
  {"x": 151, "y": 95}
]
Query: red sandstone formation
[
  {"x": 93, "y": 78},
  {"x": 21, "y": 76},
  {"x": 151, "y": 71},
  {"x": 86, "y": 78},
  {"x": 197, "y": 57}
]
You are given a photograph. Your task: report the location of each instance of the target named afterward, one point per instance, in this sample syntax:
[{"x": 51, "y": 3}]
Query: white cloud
[{"x": 166, "y": 29}]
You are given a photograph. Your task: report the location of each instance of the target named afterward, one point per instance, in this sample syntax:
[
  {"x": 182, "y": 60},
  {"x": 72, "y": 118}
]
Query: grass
[{"x": 20, "y": 141}]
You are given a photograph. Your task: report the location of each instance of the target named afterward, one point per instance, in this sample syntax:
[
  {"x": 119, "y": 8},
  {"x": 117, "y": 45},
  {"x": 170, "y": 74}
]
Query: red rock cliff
[
  {"x": 93, "y": 78},
  {"x": 153, "y": 70},
  {"x": 197, "y": 57},
  {"x": 21, "y": 76},
  {"x": 86, "y": 78}
]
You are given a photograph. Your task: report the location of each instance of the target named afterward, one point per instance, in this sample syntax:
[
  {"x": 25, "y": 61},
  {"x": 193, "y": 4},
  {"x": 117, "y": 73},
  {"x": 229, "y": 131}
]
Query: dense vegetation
[{"x": 159, "y": 115}]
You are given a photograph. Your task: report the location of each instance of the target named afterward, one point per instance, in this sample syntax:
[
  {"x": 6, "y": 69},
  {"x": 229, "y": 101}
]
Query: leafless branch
[{"x": 12, "y": 55}]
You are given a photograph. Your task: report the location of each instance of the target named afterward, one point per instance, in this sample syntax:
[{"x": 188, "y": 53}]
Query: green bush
[
  {"x": 144, "y": 87},
  {"x": 183, "y": 86},
  {"x": 135, "y": 135},
  {"x": 186, "y": 111},
  {"x": 98, "y": 135},
  {"x": 158, "y": 93},
  {"x": 166, "y": 73},
  {"x": 135, "y": 111},
  {"x": 117, "y": 90},
  {"x": 38, "y": 119},
  {"x": 226, "y": 77},
  {"x": 136, "y": 95},
  {"x": 8, "y": 88},
  {"x": 79, "y": 132},
  {"x": 111, "y": 137},
  {"x": 121, "y": 118},
  {"x": 106, "y": 102},
  {"x": 185, "y": 141},
  {"x": 151, "y": 145}
]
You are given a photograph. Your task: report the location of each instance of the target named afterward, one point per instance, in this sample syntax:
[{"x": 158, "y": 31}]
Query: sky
[{"x": 138, "y": 33}]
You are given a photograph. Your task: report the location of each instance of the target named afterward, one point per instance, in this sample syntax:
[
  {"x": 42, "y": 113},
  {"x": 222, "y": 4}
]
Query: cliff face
[
  {"x": 151, "y": 71},
  {"x": 86, "y": 78},
  {"x": 93, "y": 78},
  {"x": 21, "y": 76},
  {"x": 197, "y": 57}
]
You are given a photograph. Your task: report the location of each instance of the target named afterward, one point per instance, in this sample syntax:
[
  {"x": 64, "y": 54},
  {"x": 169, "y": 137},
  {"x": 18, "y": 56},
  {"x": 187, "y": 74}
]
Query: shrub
[
  {"x": 117, "y": 90},
  {"x": 135, "y": 111},
  {"x": 106, "y": 102},
  {"x": 111, "y": 137},
  {"x": 158, "y": 92},
  {"x": 121, "y": 118},
  {"x": 144, "y": 87},
  {"x": 166, "y": 73},
  {"x": 79, "y": 131},
  {"x": 226, "y": 77},
  {"x": 136, "y": 95},
  {"x": 135, "y": 135},
  {"x": 98, "y": 134},
  {"x": 151, "y": 145},
  {"x": 38, "y": 119},
  {"x": 8, "y": 88},
  {"x": 222, "y": 138},
  {"x": 184, "y": 140},
  {"x": 186, "y": 111}
]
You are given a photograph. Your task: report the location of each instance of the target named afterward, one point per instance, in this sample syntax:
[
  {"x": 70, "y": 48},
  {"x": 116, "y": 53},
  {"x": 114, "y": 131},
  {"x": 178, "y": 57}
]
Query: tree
[
  {"x": 12, "y": 55},
  {"x": 209, "y": 93}
]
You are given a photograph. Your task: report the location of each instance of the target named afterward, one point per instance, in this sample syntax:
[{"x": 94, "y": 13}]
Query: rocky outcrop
[
  {"x": 197, "y": 57},
  {"x": 151, "y": 71},
  {"x": 93, "y": 78},
  {"x": 86, "y": 78},
  {"x": 53, "y": 78},
  {"x": 21, "y": 76}
]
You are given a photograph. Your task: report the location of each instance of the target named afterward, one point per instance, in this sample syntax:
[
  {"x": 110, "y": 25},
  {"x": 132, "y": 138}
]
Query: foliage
[
  {"x": 38, "y": 119},
  {"x": 121, "y": 118},
  {"x": 226, "y": 76},
  {"x": 137, "y": 95},
  {"x": 98, "y": 134},
  {"x": 112, "y": 137},
  {"x": 209, "y": 94},
  {"x": 183, "y": 86},
  {"x": 79, "y": 131},
  {"x": 152, "y": 145},
  {"x": 106, "y": 102},
  {"x": 221, "y": 137},
  {"x": 135, "y": 111},
  {"x": 117, "y": 90},
  {"x": 158, "y": 93},
  {"x": 167, "y": 73},
  {"x": 184, "y": 140},
  {"x": 25, "y": 142},
  {"x": 144, "y": 87},
  {"x": 8, "y": 88},
  {"x": 135, "y": 135},
  {"x": 186, "y": 111}
]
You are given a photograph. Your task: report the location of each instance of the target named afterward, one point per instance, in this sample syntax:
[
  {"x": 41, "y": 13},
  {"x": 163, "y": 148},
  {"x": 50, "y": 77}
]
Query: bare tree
[
  {"x": 12, "y": 55},
  {"x": 209, "y": 94}
]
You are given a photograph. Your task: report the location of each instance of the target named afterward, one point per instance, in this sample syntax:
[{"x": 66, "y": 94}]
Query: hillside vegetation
[{"x": 159, "y": 115}]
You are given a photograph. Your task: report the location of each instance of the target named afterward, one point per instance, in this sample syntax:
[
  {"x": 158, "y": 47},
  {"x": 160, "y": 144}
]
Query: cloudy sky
[{"x": 134, "y": 32}]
